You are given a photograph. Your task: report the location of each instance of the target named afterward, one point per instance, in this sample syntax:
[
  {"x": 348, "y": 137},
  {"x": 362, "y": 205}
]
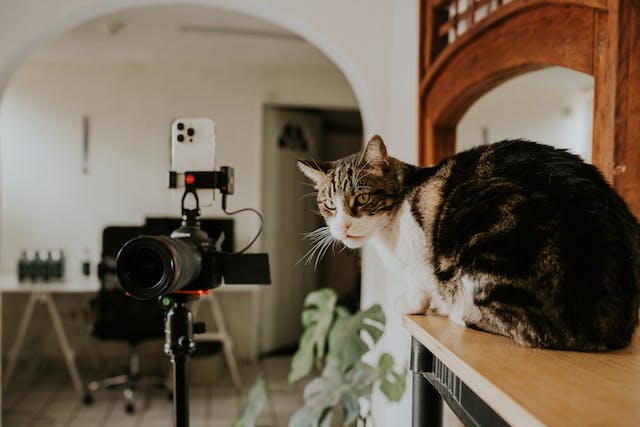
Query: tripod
[
  {"x": 179, "y": 344},
  {"x": 179, "y": 329}
]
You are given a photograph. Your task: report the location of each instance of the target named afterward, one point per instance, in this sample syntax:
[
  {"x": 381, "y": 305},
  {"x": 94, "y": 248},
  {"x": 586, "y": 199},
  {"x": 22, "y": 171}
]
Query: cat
[{"x": 514, "y": 238}]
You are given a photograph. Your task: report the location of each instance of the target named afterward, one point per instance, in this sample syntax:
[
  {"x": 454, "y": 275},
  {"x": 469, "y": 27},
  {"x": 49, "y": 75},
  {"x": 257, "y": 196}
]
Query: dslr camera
[{"x": 187, "y": 262}]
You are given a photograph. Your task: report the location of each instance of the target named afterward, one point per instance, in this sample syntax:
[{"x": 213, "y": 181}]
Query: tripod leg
[
  {"x": 180, "y": 392},
  {"x": 179, "y": 345}
]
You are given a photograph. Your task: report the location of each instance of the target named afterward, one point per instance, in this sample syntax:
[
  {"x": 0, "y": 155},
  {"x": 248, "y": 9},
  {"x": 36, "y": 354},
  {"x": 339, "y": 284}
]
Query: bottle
[
  {"x": 57, "y": 260},
  {"x": 86, "y": 263},
  {"x": 32, "y": 265},
  {"x": 44, "y": 258},
  {"x": 23, "y": 266}
]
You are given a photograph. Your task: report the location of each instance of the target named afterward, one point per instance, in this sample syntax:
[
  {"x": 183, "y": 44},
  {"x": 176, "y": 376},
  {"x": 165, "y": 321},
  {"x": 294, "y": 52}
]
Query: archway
[
  {"x": 151, "y": 136},
  {"x": 552, "y": 106},
  {"x": 276, "y": 14}
]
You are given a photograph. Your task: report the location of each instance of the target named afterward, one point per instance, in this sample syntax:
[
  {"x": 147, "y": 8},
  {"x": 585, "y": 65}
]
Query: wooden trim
[
  {"x": 604, "y": 97},
  {"x": 502, "y": 14},
  {"x": 430, "y": 154},
  {"x": 515, "y": 46},
  {"x": 626, "y": 168},
  {"x": 616, "y": 121},
  {"x": 431, "y": 44}
]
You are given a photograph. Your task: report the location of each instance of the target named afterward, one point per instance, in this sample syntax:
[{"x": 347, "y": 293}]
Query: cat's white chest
[{"x": 405, "y": 248}]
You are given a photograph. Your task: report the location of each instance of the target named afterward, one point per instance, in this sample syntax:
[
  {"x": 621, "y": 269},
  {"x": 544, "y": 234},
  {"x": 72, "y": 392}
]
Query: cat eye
[
  {"x": 363, "y": 198},
  {"x": 329, "y": 204}
]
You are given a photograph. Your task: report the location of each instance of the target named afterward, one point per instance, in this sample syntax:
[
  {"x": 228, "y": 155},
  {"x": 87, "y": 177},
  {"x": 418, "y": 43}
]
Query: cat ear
[
  {"x": 375, "y": 153},
  {"x": 314, "y": 170}
]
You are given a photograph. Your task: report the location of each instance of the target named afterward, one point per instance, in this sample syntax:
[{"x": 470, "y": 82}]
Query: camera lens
[
  {"x": 149, "y": 269},
  {"x": 180, "y": 138},
  {"x": 190, "y": 132},
  {"x": 152, "y": 266},
  {"x": 180, "y": 126}
]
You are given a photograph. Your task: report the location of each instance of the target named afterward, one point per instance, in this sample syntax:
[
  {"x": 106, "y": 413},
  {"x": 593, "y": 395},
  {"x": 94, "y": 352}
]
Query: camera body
[
  {"x": 187, "y": 262},
  {"x": 149, "y": 267}
]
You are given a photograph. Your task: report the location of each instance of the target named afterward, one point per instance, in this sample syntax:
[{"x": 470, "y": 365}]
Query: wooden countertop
[{"x": 532, "y": 387}]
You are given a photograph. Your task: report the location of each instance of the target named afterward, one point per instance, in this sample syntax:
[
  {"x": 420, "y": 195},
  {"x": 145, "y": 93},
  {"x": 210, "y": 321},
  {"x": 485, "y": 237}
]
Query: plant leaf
[
  {"x": 317, "y": 318},
  {"x": 254, "y": 405},
  {"x": 392, "y": 383},
  {"x": 321, "y": 396},
  {"x": 346, "y": 342}
]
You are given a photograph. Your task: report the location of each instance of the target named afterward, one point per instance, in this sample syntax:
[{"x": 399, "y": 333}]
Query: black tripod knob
[{"x": 199, "y": 328}]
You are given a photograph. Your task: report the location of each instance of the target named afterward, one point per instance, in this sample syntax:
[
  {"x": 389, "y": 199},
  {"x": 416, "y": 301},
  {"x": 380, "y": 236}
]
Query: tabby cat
[{"x": 514, "y": 238}]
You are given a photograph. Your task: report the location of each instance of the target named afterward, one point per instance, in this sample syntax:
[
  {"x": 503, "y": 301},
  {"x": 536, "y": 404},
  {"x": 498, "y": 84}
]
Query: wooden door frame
[{"x": 597, "y": 37}]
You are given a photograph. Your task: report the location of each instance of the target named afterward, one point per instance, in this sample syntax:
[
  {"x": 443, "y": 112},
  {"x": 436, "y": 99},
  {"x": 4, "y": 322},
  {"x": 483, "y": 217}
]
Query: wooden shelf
[{"x": 528, "y": 386}]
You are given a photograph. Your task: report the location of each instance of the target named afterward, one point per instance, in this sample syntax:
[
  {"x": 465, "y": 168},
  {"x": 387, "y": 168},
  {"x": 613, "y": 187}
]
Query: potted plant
[{"x": 332, "y": 345}]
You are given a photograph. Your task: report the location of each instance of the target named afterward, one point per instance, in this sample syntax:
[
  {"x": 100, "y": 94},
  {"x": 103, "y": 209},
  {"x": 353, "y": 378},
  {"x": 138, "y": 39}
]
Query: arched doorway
[
  {"x": 153, "y": 92},
  {"x": 552, "y": 106}
]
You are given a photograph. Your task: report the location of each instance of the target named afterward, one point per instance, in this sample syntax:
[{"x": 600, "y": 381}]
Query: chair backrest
[{"x": 117, "y": 316}]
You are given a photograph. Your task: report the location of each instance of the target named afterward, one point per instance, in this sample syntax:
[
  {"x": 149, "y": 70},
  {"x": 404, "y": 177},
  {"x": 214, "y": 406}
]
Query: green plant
[
  {"x": 333, "y": 343},
  {"x": 254, "y": 405}
]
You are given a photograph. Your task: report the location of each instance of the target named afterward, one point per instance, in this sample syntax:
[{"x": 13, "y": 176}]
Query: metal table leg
[
  {"x": 426, "y": 401},
  {"x": 434, "y": 383}
]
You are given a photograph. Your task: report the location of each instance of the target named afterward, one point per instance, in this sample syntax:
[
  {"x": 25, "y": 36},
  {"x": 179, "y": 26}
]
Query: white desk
[{"x": 43, "y": 293}]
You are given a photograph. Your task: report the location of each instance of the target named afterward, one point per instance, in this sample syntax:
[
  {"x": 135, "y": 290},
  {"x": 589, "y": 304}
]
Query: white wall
[
  {"x": 374, "y": 42},
  {"x": 45, "y": 199},
  {"x": 130, "y": 110}
]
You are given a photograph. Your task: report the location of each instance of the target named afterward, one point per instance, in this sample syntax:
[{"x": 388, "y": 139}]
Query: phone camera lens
[
  {"x": 180, "y": 138},
  {"x": 190, "y": 131},
  {"x": 180, "y": 126}
]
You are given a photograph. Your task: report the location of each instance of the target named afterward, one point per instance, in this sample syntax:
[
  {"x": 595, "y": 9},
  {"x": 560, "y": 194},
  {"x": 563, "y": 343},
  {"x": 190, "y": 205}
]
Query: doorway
[
  {"x": 290, "y": 211},
  {"x": 552, "y": 106}
]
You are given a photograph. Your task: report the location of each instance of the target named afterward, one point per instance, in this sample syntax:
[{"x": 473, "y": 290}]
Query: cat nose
[{"x": 346, "y": 226}]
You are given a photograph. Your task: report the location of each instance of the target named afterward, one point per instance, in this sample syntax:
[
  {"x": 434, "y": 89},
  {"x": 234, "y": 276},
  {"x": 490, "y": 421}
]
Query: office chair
[{"x": 121, "y": 318}]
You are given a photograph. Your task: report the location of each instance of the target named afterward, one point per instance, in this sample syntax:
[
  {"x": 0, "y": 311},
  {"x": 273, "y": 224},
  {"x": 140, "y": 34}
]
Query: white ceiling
[{"x": 185, "y": 36}]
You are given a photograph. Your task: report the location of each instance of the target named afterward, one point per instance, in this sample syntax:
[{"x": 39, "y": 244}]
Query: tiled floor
[{"x": 46, "y": 398}]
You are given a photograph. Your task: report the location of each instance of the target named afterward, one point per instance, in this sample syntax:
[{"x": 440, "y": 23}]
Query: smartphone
[{"x": 193, "y": 148}]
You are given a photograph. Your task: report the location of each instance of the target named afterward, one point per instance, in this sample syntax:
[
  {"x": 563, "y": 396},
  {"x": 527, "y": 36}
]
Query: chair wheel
[
  {"x": 87, "y": 399},
  {"x": 130, "y": 408}
]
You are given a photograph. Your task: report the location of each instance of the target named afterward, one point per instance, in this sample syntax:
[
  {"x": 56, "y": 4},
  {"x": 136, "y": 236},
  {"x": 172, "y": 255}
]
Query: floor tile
[{"x": 44, "y": 397}]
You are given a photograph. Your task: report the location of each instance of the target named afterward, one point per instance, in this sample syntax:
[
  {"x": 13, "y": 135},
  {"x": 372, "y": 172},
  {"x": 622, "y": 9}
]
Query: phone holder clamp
[{"x": 193, "y": 180}]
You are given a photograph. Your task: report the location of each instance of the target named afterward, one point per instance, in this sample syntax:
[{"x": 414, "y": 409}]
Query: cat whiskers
[
  {"x": 307, "y": 195},
  {"x": 322, "y": 240}
]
